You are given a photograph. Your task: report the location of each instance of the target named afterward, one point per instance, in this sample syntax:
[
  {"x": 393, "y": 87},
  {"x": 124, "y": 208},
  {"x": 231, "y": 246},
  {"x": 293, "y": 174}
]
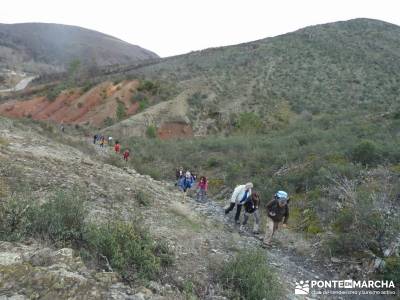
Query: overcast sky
[{"x": 170, "y": 27}]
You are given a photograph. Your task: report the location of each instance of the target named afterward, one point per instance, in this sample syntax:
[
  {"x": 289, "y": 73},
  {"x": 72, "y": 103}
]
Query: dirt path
[{"x": 20, "y": 85}]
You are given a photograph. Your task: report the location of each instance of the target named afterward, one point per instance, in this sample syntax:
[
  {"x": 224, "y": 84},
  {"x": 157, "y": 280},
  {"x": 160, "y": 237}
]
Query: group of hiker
[
  {"x": 185, "y": 180},
  {"x": 243, "y": 196},
  {"x": 103, "y": 141},
  {"x": 277, "y": 210}
]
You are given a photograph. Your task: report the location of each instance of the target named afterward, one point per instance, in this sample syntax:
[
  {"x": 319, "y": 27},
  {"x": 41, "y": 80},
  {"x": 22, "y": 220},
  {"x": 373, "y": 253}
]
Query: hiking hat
[
  {"x": 249, "y": 185},
  {"x": 282, "y": 197}
]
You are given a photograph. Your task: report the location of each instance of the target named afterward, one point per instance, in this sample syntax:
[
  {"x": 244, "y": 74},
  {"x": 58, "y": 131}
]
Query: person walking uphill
[
  {"x": 251, "y": 208},
  {"x": 278, "y": 211},
  {"x": 126, "y": 155},
  {"x": 240, "y": 195},
  {"x": 117, "y": 147},
  {"x": 185, "y": 183},
  {"x": 202, "y": 188}
]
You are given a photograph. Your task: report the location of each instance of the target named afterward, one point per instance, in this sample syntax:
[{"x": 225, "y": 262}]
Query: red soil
[
  {"x": 174, "y": 130},
  {"x": 72, "y": 107}
]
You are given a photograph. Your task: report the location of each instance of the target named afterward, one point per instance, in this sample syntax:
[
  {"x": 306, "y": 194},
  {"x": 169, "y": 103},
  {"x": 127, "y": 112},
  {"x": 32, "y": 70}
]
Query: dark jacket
[
  {"x": 249, "y": 206},
  {"x": 280, "y": 213}
]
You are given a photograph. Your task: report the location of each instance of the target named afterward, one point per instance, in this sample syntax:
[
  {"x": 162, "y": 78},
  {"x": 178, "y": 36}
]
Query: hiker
[
  {"x": 240, "y": 195},
  {"x": 94, "y": 139},
  {"x": 117, "y": 147},
  {"x": 186, "y": 182},
  {"x": 251, "y": 208},
  {"x": 202, "y": 188},
  {"x": 178, "y": 175},
  {"x": 62, "y": 128},
  {"x": 102, "y": 141},
  {"x": 126, "y": 155},
  {"x": 110, "y": 140},
  {"x": 278, "y": 211}
]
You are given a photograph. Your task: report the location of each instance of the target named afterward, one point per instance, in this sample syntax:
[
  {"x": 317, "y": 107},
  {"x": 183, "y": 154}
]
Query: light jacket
[{"x": 238, "y": 194}]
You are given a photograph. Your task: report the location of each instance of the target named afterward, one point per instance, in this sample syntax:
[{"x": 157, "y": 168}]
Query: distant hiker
[
  {"x": 186, "y": 182},
  {"x": 117, "y": 147},
  {"x": 202, "y": 188},
  {"x": 239, "y": 196},
  {"x": 102, "y": 141},
  {"x": 62, "y": 128},
  {"x": 94, "y": 139},
  {"x": 110, "y": 140},
  {"x": 277, "y": 211},
  {"x": 126, "y": 154},
  {"x": 178, "y": 175},
  {"x": 251, "y": 208}
]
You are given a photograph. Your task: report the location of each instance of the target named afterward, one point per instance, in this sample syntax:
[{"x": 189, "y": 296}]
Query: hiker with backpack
[
  {"x": 239, "y": 196},
  {"x": 277, "y": 211},
  {"x": 185, "y": 184},
  {"x": 251, "y": 208},
  {"x": 102, "y": 141},
  {"x": 202, "y": 188},
  {"x": 126, "y": 155},
  {"x": 94, "y": 139}
]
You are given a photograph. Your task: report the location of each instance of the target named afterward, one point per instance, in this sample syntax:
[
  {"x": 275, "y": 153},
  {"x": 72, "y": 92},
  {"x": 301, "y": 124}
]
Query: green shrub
[
  {"x": 143, "y": 104},
  {"x": 366, "y": 152},
  {"x": 60, "y": 219},
  {"x": 250, "y": 277},
  {"x": 14, "y": 218},
  {"x": 108, "y": 121},
  {"x": 128, "y": 249},
  {"x": 392, "y": 269},
  {"x": 151, "y": 131},
  {"x": 249, "y": 122},
  {"x": 142, "y": 198},
  {"x": 149, "y": 86}
]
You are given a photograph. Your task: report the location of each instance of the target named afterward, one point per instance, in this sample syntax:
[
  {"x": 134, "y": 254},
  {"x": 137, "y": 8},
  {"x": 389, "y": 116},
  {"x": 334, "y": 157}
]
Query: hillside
[
  {"x": 42, "y": 47},
  {"x": 332, "y": 68}
]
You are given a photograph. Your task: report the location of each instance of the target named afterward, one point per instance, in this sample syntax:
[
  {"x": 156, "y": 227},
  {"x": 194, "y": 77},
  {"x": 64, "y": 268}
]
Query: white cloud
[{"x": 170, "y": 27}]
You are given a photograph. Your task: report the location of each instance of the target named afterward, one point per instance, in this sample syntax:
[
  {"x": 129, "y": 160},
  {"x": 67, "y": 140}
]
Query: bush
[
  {"x": 108, "y": 121},
  {"x": 250, "y": 277},
  {"x": 249, "y": 122},
  {"x": 60, "y": 219},
  {"x": 143, "y": 104},
  {"x": 151, "y": 131},
  {"x": 392, "y": 269},
  {"x": 127, "y": 249},
  {"x": 366, "y": 152}
]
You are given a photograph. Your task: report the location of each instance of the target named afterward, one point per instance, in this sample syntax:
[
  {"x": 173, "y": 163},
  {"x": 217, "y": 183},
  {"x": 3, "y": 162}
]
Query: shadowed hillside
[{"x": 38, "y": 47}]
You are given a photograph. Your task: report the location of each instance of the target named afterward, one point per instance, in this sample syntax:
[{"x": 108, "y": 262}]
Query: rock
[
  {"x": 9, "y": 258},
  {"x": 335, "y": 260},
  {"x": 139, "y": 296},
  {"x": 155, "y": 287}
]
